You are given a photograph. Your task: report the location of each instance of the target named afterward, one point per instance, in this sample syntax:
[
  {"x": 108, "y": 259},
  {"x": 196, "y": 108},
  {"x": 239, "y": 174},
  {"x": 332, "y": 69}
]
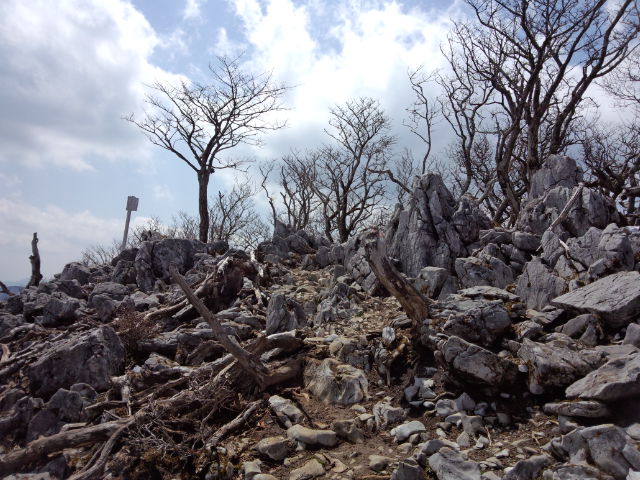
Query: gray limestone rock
[
  {"x": 525, "y": 241},
  {"x": 154, "y": 257},
  {"x": 632, "y": 336},
  {"x": 76, "y": 271},
  {"x": 284, "y": 314},
  {"x": 606, "y": 446},
  {"x": 285, "y": 410},
  {"x": 476, "y": 365},
  {"x": 592, "y": 209},
  {"x": 558, "y": 363},
  {"x": 276, "y": 448},
  {"x": 112, "y": 290},
  {"x": 386, "y": 415},
  {"x": 311, "y": 469},
  {"x": 378, "y": 463},
  {"x": 583, "y": 327},
  {"x": 616, "y": 298},
  {"x": 408, "y": 470},
  {"x": 483, "y": 270},
  {"x": 528, "y": 469},
  {"x": 618, "y": 379},
  {"x": 59, "y": 310},
  {"x": 404, "y": 431},
  {"x": 557, "y": 170},
  {"x": 91, "y": 357},
  {"x": 583, "y": 409},
  {"x": 335, "y": 383},
  {"x": 9, "y": 322},
  {"x": 348, "y": 429},
  {"x": 435, "y": 282},
  {"x": 479, "y": 321},
  {"x": 450, "y": 464},
  {"x": 430, "y": 231},
  {"x": 310, "y": 436},
  {"x": 538, "y": 285}
]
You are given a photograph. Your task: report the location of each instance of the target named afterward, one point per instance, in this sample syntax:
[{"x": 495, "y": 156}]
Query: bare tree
[
  {"x": 344, "y": 173},
  {"x": 198, "y": 122},
  {"x": 297, "y": 195},
  {"x": 423, "y": 114},
  {"x": 538, "y": 58},
  {"x": 612, "y": 159},
  {"x": 232, "y": 212}
]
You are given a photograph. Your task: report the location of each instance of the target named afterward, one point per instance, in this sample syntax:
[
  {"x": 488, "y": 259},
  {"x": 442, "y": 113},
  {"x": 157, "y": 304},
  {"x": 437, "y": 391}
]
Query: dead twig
[
  {"x": 5, "y": 289},
  {"x": 233, "y": 424}
]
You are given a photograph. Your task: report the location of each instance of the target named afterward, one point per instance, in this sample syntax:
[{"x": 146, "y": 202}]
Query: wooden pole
[{"x": 126, "y": 231}]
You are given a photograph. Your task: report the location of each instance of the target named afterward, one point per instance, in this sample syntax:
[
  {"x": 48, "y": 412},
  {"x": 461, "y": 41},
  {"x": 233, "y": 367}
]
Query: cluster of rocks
[{"x": 528, "y": 366}]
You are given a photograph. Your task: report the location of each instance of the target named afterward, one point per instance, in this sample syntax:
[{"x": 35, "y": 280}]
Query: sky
[{"x": 70, "y": 70}]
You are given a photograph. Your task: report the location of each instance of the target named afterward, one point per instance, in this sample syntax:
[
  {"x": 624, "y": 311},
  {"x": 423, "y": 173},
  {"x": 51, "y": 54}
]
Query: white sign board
[{"x": 132, "y": 203}]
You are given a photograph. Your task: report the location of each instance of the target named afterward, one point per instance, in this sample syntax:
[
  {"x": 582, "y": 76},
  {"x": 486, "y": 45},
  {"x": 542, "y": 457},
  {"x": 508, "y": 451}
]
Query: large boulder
[
  {"x": 76, "y": 271},
  {"x": 91, "y": 357},
  {"x": 607, "y": 447},
  {"x": 538, "y": 284},
  {"x": 475, "y": 364},
  {"x": 616, "y": 380},
  {"x": 432, "y": 230},
  {"x": 557, "y": 363},
  {"x": 284, "y": 314},
  {"x": 552, "y": 187},
  {"x": 479, "y": 321},
  {"x": 483, "y": 270},
  {"x": 557, "y": 171},
  {"x": 154, "y": 257},
  {"x": 616, "y": 298},
  {"x": 335, "y": 383}
]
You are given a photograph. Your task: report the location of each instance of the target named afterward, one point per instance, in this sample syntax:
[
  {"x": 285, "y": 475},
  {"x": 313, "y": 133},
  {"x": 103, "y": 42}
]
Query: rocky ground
[{"x": 298, "y": 365}]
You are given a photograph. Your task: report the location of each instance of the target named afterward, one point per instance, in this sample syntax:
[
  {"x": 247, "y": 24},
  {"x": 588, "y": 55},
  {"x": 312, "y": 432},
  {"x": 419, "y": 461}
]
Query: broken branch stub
[
  {"x": 36, "y": 276},
  {"x": 415, "y": 305}
]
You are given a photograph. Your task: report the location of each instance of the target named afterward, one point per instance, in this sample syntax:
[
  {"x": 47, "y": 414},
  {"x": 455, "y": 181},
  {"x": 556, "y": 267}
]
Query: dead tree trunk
[
  {"x": 415, "y": 305},
  {"x": 36, "y": 276}
]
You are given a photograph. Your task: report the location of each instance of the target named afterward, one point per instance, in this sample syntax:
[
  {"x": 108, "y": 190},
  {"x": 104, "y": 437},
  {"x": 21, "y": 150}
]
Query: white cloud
[
  {"x": 162, "y": 192},
  {"x": 192, "y": 9},
  {"x": 331, "y": 55},
  {"x": 63, "y": 234},
  {"x": 69, "y": 70}
]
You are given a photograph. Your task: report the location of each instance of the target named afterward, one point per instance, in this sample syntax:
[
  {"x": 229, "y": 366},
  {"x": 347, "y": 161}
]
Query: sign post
[{"x": 132, "y": 206}]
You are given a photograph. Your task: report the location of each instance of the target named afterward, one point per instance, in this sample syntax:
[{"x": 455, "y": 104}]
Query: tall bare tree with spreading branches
[
  {"x": 347, "y": 174},
  {"x": 198, "y": 122}
]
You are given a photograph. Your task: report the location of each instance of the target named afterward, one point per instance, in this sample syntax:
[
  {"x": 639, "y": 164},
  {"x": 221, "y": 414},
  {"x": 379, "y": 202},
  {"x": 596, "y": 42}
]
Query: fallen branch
[
  {"x": 415, "y": 305},
  {"x": 5, "y": 289},
  {"x": 233, "y": 424},
  {"x": 180, "y": 304},
  {"x": 94, "y": 471},
  {"x": 20, "y": 459},
  {"x": 250, "y": 363},
  {"x": 565, "y": 211}
]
